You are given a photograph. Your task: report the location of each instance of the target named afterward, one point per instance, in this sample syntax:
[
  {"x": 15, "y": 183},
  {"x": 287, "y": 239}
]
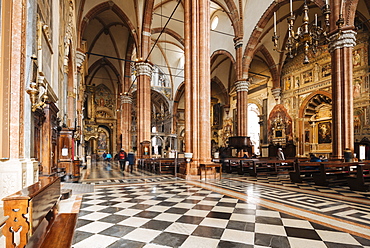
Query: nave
[{"x": 141, "y": 209}]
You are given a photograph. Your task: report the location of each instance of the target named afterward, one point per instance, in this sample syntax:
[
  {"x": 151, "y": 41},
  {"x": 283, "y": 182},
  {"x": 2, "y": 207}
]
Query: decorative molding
[
  {"x": 144, "y": 69},
  {"x": 242, "y": 85},
  {"x": 126, "y": 99},
  {"x": 238, "y": 43},
  {"x": 80, "y": 58},
  {"x": 276, "y": 92},
  {"x": 346, "y": 38},
  {"x": 147, "y": 34}
]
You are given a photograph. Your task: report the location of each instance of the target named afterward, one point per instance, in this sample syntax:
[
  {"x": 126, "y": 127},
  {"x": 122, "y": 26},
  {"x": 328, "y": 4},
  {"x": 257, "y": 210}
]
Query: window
[{"x": 214, "y": 22}]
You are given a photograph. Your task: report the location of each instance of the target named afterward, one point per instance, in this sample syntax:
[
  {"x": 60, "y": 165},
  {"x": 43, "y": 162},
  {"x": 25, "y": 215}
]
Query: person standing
[
  {"x": 108, "y": 158},
  {"x": 280, "y": 154},
  {"x": 131, "y": 160},
  {"x": 122, "y": 157}
]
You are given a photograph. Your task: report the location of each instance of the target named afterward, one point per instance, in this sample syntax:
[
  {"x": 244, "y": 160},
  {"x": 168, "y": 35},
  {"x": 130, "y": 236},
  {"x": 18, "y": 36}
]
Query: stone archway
[{"x": 315, "y": 128}]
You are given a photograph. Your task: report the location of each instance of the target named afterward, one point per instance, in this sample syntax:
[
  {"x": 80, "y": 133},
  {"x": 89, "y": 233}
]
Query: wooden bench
[
  {"x": 166, "y": 166},
  {"x": 332, "y": 172},
  {"x": 33, "y": 217},
  {"x": 267, "y": 166},
  {"x": 359, "y": 180},
  {"x": 304, "y": 171},
  {"x": 231, "y": 165}
]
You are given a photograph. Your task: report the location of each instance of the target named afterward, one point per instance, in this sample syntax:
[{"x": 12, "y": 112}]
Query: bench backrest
[{"x": 39, "y": 202}]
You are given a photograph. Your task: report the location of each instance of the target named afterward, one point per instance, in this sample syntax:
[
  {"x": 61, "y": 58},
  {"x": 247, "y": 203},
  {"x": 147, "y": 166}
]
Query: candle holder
[{"x": 307, "y": 36}]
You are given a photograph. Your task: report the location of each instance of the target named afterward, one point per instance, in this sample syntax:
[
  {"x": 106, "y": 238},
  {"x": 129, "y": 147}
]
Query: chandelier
[{"x": 306, "y": 36}]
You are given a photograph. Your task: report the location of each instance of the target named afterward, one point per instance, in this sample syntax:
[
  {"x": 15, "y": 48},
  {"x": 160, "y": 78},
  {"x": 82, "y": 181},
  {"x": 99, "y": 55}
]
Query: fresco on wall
[
  {"x": 104, "y": 97},
  {"x": 326, "y": 70},
  {"x": 307, "y": 77},
  {"x": 357, "y": 87},
  {"x": 357, "y": 58}
]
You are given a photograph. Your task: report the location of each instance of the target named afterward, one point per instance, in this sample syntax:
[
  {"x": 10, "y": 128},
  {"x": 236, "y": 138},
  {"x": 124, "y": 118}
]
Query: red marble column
[
  {"x": 144, "y": 74},
  {"x": 197, "y": 84},
  {"x": 16, "y": 85},
  {"x": 126, "y": 103},
  {"x": 340, "y": 47},
  {"x": 204, "y": 92}
]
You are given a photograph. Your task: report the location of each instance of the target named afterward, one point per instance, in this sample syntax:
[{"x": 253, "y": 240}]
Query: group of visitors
[{"x": 123, "y": 159}]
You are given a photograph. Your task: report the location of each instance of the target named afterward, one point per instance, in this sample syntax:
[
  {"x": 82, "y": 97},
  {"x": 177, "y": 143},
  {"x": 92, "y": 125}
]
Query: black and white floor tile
[{"x": 227, "y": 213}]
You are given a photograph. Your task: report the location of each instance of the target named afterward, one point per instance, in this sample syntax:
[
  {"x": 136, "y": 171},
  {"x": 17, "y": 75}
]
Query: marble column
[
  {"x": 197, "y": 84},
  {"x": 126, "y": 103},
  {"x": 340, "y": 47},
  {"x": 144, "y": 72},
  {"x": 242, "y": 88},
  {"x": 80, "y": 58}
]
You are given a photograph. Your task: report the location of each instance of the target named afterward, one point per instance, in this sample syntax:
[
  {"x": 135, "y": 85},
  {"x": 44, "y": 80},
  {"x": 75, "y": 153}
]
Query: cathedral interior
[{"x": 179, "y": 78}]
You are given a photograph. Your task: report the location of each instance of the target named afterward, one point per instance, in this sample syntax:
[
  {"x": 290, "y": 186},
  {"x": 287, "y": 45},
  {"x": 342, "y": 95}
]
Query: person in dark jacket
[
  {"x": 313, "y": 158},
  {"x": 131, "y": 161}
]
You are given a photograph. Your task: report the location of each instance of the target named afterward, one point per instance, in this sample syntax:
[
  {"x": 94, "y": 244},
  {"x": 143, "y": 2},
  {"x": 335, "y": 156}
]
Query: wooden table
[{"x": 210, "y": 165}]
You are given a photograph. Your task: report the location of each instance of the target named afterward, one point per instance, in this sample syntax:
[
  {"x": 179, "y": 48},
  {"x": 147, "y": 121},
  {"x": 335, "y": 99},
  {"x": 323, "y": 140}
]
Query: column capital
[
  {"x": 276, "y": 92},
  {"x": 144, "y": 68},
  {"x": 126, "y": 99},
  {"x": 80, "y": 58},
  {"x": 238, "y": 42},
  {"x": 242, "y": 85},
  {"x": 346, "y": 38}
]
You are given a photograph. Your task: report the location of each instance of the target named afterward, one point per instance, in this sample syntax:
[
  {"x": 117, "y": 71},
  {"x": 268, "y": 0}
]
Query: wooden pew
[
  {"x": 360, "y": 179},
  {"x": 304, "y": 171},
  {"x": 266, "y": 166},
  {"x": 332, "y": 172},
  {"x": 43, "y": 227},
  {"x": 166, "y": 165}
]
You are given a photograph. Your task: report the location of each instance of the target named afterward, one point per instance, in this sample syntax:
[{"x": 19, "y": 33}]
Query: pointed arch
[{"x": 109, "y": 5}]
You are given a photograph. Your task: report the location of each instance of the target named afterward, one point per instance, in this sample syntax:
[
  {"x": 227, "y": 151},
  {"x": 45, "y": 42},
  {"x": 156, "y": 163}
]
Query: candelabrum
[
  {"x": 306, "y": 36},
  {"x": 33, "y": 91}
]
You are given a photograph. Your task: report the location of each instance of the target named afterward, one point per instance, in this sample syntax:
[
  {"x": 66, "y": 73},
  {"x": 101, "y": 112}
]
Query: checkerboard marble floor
[{"x": 227, "y": 213}]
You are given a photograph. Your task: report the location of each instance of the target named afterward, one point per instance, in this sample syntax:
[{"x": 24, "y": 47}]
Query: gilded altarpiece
[
  {"x": 307, "y": 97},
  {"x": 100, "y": 127}
]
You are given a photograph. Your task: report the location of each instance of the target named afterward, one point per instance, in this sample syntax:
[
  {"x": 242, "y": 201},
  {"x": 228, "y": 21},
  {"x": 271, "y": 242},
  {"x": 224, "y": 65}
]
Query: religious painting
[
  {"x": 324, "y": 132},
  {"x": 216, "y": 114},
  {"x": 307, "y": 77},
  {"x": 297, "y": 82},
  {"x": 357, "y": 58},
  {"x": 104, "y": 97},
  {"x": 102, "y": 141},
  {"x": 357, "y": 85},
  {"x": 326, "y": 70},
  {"x": 366, "y": 84},
  {"x": 288, "y": 83},
  {"x": 307, "y": 136}
]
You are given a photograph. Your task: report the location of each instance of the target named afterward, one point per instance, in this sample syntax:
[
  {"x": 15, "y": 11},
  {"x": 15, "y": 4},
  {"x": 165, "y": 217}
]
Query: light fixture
[
  {"x": 33, "y": 91},
  {"x": 308, "y": 36},
  {"x": 37, "y": 100}
]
